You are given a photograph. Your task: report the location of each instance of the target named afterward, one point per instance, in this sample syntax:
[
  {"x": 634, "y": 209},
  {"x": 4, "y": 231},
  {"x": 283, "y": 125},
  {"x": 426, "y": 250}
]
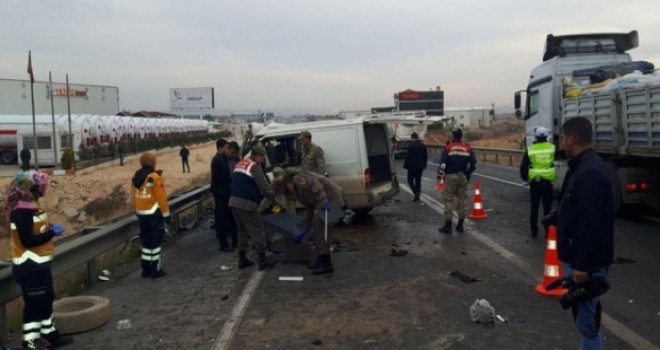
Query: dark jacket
[
  {"x": 220, "y": 175},
  {"x": 25, "y": 155},
  {"x": 416, "y": 157},
  {"x": 458, "y": 157},
  {"x": 585, "y": 216},
  {"x": 184, "y": 153}
]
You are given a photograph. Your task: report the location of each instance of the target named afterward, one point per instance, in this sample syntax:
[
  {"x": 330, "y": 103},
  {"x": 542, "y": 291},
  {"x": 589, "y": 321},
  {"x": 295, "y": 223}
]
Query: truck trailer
[{"x": 624, "y": 108}]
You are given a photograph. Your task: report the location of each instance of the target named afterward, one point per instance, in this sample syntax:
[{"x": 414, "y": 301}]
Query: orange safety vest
[
  {"x": 151, "y": 196},
  {"x": 39, "y": 254}
]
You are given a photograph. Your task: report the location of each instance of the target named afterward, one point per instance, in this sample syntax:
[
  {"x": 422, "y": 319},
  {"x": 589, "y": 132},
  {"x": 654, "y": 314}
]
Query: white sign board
[{"x": 182, "y": 98}]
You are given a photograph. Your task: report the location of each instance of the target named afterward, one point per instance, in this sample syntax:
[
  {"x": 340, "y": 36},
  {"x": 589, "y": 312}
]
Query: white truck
[{"x": 625, "y": 117}]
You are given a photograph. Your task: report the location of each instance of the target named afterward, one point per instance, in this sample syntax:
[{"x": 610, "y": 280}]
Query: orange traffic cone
[
  {"x": 440, "y": 185},
  {"x": 478, "y": 210},
  {"x": 552, "y": 270}
]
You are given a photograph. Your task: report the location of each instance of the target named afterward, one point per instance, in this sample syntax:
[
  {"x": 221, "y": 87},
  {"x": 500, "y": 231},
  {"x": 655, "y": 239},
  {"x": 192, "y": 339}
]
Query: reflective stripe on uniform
[
  {"x": 150, "y": 254},
  {"x": 31, "y": 331},
  {"x": 47, "y": 325},
  {"x": 29, "y": 255}
]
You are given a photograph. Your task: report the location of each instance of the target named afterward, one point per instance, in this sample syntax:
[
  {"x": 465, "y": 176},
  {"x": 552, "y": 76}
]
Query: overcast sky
[{"x": 304, "y": 56}]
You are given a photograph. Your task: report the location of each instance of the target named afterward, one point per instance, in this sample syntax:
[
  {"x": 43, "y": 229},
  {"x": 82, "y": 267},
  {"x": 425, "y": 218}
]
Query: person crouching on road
[
  {"x": 248, "y": 187},
  {"x": 314, "y": 192},
  {"x": 153, "y": 210},
  {"x": 456, "y": 165},
  {"x": 537, "y": 169},
  {"x": 32, "y": 251}
]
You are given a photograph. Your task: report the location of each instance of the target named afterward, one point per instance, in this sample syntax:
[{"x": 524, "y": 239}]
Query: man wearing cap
[
  {"x": 415, "y": 163},
  {"x": 456, "y": 165},
  {"x": 32, "y": 252},
  {"x": 537, "y": 169},
  {"x": 314, "y": 192},
  {"x": 153, "y": 210},
  {"x": 313, "y": 158},
  {"x": 248, "y": 188}
]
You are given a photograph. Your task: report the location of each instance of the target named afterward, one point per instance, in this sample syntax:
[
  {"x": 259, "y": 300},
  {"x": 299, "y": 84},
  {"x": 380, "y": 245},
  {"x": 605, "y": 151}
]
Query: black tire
[
  {"x": 8, "y": 157},
  {"x": 80, "y": 313}
]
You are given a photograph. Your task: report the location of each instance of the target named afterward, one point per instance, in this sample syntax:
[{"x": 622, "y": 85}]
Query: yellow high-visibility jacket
[{"x": 151, "y": 196}]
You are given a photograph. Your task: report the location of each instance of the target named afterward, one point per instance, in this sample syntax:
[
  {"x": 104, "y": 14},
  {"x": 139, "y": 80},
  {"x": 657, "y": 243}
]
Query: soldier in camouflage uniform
[
  {"x": 457, "y": 162},
  {"x": 313, "y": 158}
]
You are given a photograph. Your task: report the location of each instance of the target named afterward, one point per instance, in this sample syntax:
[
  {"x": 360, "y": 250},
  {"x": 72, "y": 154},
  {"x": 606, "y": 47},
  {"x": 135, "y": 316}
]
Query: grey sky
[{"x": 304, "y": 56}]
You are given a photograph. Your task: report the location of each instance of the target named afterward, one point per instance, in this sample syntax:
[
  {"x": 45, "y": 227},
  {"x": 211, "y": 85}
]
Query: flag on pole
[{"x": 29, "y": 70}]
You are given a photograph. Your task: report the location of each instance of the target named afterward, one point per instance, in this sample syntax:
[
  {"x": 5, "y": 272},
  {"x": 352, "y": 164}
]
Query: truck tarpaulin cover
[{"x": 602, "y": 73}]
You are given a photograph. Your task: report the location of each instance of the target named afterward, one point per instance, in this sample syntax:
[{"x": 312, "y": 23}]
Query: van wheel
[
  {"x": 363, "y": 211},
  {"x": 80, "y": 313},
  {"x": 7, "y": 157}
]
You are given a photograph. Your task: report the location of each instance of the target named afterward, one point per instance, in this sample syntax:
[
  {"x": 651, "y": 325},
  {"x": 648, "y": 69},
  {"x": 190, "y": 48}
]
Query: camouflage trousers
[
  {"x": 315, "y": 225},
  {"x": 454, "y": 195},
  {"x": 249, "y": 224}
]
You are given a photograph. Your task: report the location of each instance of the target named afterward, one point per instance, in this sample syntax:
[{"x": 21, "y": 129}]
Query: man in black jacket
[
  {"x": 415, "y": 163},
  {"x": 585, "y": 223},
  {"x": 220, "y": 183}
]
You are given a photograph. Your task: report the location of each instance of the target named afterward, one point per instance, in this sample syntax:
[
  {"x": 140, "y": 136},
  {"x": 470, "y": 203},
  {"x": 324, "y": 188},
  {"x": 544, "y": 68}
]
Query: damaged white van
[{"x": 358, "y": 153}]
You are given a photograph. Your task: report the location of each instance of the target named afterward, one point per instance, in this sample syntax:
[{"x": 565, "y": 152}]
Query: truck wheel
[
  {"x": 80, "y": 313},
  {"x": 8, "y": 157}
]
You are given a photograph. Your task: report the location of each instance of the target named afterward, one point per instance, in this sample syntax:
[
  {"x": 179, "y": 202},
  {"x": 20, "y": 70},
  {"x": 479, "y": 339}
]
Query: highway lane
[{"x": 633, "y": 301}]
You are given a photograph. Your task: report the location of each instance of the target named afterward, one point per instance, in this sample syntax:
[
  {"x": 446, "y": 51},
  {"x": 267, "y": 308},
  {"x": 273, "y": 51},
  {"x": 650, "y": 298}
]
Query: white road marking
[
  {"x": 226, "y": 335},
  {"x": 617, "y": 328}
]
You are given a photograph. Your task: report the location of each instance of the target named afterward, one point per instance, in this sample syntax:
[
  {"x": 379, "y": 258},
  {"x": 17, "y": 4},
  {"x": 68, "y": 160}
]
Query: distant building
[
  {"x": 432, "y": 101},
  {"x": 470, "y": 117},
  {"x": 15, "y": 98}
]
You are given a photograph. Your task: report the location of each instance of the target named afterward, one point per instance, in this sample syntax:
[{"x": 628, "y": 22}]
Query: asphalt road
[{"x": 378, "y": 301}]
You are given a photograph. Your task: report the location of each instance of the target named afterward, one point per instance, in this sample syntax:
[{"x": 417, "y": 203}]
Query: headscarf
[{"x": 26, "y": 186}]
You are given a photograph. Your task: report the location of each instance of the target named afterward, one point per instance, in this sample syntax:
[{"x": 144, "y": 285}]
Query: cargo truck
[{"x": 625, "y": 118}]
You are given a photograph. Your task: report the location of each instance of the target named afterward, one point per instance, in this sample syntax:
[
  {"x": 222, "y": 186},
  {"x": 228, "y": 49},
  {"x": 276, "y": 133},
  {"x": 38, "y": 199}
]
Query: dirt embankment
[{"x": 100, "y": 193}]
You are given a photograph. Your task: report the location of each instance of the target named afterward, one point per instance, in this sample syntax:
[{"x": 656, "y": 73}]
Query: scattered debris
[
  {"x": 224, "y": 297},
  {"x": 520, "y": 320},
  {"x": 501, "y": 319},
  {"x": 124, "y": 324},
  {"x": 622, "y": 260},
  {"x": 317, "y": 342},
  {"x": 225, "y": 268},
  {"x": 400, "y": 252},
  {"x": 291, "y": 278},
  {"x": 482, "y": 312},
  {"x": 104, "y": 276},
  {"x": 463, "y": 277}
]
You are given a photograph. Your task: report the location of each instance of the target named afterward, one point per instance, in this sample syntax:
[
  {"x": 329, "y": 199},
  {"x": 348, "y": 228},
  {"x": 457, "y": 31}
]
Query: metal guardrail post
[{"x": 91, "y": 271}]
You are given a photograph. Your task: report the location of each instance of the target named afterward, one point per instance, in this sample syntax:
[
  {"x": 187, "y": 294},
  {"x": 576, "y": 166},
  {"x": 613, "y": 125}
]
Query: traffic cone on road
[
  {"x": 552, "y": 270},
  {"x": 478, "y": 210},
  {"x": 440, "y": 185}
]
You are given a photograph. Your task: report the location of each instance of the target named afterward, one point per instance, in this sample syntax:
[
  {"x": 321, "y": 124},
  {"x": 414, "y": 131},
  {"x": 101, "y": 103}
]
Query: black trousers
[
  {"x": 152, "y": 233},
  {"x": 539, "y": 191},
  {"x": 415, "y": 180},
  {"x": 37, "y": 286},
  {"x": 224, "y": 221}
]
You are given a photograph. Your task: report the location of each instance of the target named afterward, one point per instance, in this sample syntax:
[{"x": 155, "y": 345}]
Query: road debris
[
  {"x": 400, "y": 252},
  {"x": 463, "y": 277},
  {"x": 291, "y": 278},
  {"x": 124, "y": 324},
  {"x": 482, "y": 312}
]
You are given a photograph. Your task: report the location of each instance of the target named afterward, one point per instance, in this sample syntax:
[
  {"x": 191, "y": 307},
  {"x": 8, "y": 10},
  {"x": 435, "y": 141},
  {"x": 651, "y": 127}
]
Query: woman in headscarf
[{"x": 32, "y": 253}]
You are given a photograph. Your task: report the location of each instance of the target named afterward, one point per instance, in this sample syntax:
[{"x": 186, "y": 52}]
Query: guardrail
[
  {"x": 83, "y": 248},
  {"x": 510, "y": 157}
]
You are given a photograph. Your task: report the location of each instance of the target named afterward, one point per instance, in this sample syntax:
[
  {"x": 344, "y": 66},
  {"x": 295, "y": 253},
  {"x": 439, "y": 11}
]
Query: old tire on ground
[{"x": 80, "y": 313}]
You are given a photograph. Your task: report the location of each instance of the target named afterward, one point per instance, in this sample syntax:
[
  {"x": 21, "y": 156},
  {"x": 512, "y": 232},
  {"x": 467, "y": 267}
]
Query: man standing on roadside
[
  {"x": 184, "y": 153},
  {"x": 248, "y": 187},
  {"x": 26, "y": 156},
  {"x": 415, "y": 163},
  {"x": 456, "y": 165},
  {"x": 220, "y": 188},
  {"x": 537, "y": 169},
  {"x": 585, "y": 224}
]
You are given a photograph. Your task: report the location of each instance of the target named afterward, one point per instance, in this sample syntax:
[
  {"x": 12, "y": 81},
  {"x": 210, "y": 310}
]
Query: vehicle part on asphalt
[{"x": 80, "y": 313}]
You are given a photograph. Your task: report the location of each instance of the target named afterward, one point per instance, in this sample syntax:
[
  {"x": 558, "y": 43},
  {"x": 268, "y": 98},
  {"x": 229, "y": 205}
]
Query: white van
[{"x": 358, "y": 153}]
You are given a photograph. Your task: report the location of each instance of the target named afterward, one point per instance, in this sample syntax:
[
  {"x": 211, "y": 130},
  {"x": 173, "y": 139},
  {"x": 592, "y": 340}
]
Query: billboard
[{"x": 182, "y": 98}]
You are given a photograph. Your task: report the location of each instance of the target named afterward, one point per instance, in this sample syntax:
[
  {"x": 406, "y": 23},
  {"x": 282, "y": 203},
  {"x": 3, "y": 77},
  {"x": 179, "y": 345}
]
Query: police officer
[
  {"x": 152, "y": 209},
  {"x": 537, "y": 169},
  {"x": 32, "y": 253},
  {"x": 248, "y": 187},
  {"x": 313, "y": 158},
  {"x": 314, "y": 192},
  {"x": 456, "y": 165},
  {"x": 585, "y": 223}
]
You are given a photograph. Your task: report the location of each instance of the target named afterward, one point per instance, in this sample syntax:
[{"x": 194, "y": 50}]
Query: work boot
[
  {"x": 459, "y": 227},
  {"x": 243, "y": 261},
  {"x": 264, "y": 264},
  {"x": 146, "y": 268},
  {"x": 38, "y": 344},
  {"x": 57, "y": 340},
  {"x": 416, "y": 197},
  {"x": 447, "y": 228},
  {"x": 325, "y": 265},
  {"x": 225, "y": 247},
  {"x": 156, "y": 270}
]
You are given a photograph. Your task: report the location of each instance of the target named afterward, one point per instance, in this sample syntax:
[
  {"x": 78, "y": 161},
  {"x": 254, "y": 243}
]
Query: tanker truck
[{"x": 593, "y": 76}]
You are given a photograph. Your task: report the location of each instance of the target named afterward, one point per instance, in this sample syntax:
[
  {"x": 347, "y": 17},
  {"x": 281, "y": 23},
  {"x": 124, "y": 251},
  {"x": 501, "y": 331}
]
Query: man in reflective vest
[
  {"x": 153, "y": 210},
  {"x": 537, "y": 169},
  {"x": 32, "y": 255}
]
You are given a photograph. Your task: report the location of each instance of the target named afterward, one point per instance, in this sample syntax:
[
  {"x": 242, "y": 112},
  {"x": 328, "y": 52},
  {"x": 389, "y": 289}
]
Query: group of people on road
[{"x": 584, "y": 217}]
